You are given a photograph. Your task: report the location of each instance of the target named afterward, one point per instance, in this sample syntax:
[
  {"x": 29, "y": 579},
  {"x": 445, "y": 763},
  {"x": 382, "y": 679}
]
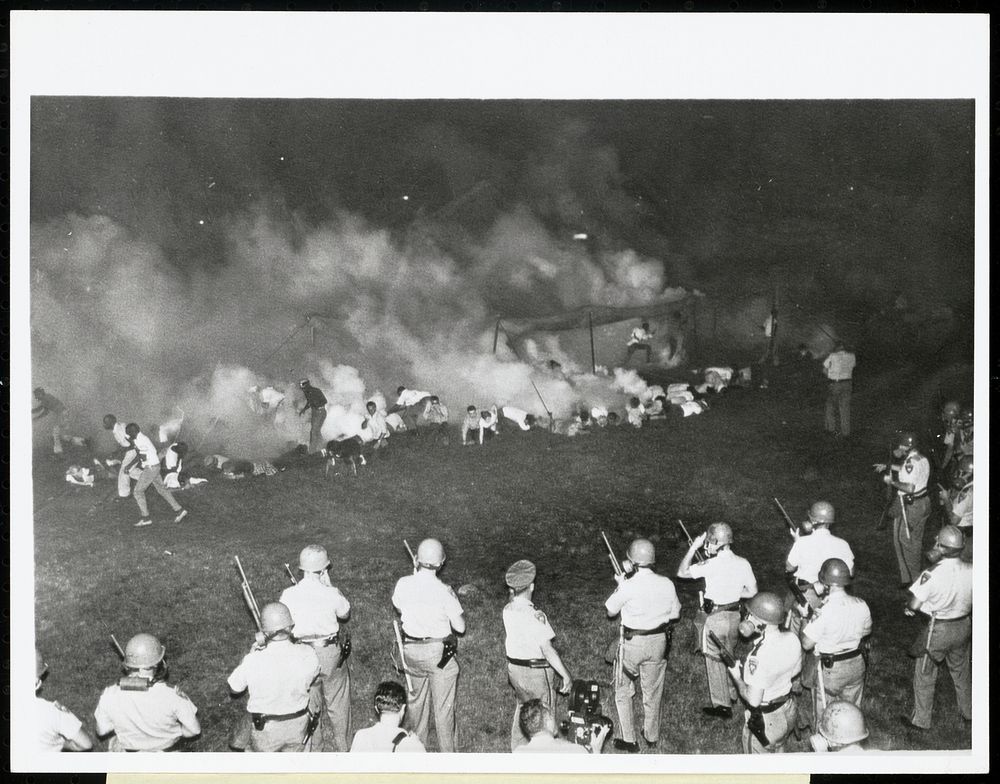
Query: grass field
[{"x": 528, "y": 495}]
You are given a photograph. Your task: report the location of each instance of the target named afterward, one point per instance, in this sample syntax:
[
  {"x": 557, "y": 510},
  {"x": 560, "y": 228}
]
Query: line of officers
[{"x": 297, "y": 674}]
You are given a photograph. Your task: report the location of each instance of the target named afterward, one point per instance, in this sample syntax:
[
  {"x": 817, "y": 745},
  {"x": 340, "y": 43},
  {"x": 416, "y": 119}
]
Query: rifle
[
  {"x": 690, "y": 541},
  {"x": 616, "y": 565},
  {"x": 792, "y": 527},
  {"x": 800, "y": 597},
  {"x": 725, "y": 654},
  {"x": 291, "y": 576},
  {"x": 311, "y": 726},
  {"x": 118, "y": 647},
  {"x": 248, "y": 596},
  {"x": 410, "y": 551},
  {"x": 402, "y": 658}
]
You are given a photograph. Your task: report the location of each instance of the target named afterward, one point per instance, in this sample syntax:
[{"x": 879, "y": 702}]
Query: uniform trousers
[
  {"x": 439, "y": 686},
  {"x": 908, "y": 536},
  {"x": 643, "y": 654},
  {"x": 778, "y": 725},
  {"x": 151, "y": 476},
  {"x": 951, "y": 644},
  {"x": 838, "y": 403},
  {"x": 280, "y": 735},
  {"x": 725, "y": 624},
  {"x": 845, "y": 680},
  {"x": 530, "y": 683},
  {"x": 334, "y": 685},
  {"x": 317, "y": 416}
]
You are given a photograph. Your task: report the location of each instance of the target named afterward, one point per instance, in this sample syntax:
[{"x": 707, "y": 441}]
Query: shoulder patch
[
  {"x": 908, "y": 465},
  {"x": 540, "y": 617},
  {"x": 752, "y": 664},
  {"x": 925, "y": 577}
]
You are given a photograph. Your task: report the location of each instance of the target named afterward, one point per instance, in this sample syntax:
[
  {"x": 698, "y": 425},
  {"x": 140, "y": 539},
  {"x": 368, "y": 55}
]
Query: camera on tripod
[{"x": 584, "y": 718}]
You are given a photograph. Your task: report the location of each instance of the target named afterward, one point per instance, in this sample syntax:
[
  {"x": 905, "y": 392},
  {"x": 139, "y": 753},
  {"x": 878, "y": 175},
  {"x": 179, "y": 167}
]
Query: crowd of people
[{"x": 805, "y": 661}]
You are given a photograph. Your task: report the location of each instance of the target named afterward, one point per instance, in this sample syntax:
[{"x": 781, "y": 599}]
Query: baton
[
  {"x": 902, "y": 508},
  {"x": 402, "y": 657},
  {"x": 927, "y": 645},
  {"x": 820, "y": 683}
]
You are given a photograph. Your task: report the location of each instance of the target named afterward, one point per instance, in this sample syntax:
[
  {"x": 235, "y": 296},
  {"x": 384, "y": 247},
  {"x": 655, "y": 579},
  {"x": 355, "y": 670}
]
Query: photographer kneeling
[{"x": 539, "y": 726}]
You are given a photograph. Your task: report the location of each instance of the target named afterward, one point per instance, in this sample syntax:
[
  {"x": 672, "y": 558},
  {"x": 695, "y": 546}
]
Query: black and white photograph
[{"x": 382, "y": 402}]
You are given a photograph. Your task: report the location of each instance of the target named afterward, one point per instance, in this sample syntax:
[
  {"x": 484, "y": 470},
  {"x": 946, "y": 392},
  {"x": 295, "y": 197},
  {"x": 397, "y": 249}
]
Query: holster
[
  {"x": 668, "y": 635},
  {"x": 345, "y": 646},
  {"x": 756, "y": 726},
  {"x": 259, "y": 721},
  {"x": 708, "y": 605},
  {"x": 826, "y": 659},
  {"x": 450, "y": 649}
]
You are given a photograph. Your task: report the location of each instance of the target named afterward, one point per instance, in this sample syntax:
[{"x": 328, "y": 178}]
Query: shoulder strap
[{"x": 399, "y": 739}]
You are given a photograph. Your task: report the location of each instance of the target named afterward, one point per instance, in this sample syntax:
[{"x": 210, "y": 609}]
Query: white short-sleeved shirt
[
  {"x": 645, "y": 600},
  {"x": 277, "y": 678},
  {"x": 427, "y": 607},
  {"x": 471, "y": 422},
  {"x": 634, "y": 415},
  {"x": 547, "y": 744},
  {"x": 727, "y": 577},
  {"x": 772, "y": 663},
  {"x": 962, "y": 506},
  {"x": 271, "y": 397},
  {"x": 315, "y": 608},
  {"x": 915, "y": 470},
  {"x": 526, "y": 628},
  {"x": 724, "y": 373},
  {"x": 517, "y": 415},
  {"x": 839, "y": 366},
  {"x": 436, "y": 413},
  {"x": 809, "y": 552},
  {"x": 639, "y": 336},
  {"x": 144, "y": 720},
  {"x": 379, "y": 738},
  {"x": 54, "y": 725},
  {"x": 147, "y": 449},
  {"x": 945, "y": 590},
  {"x": 409, "y": 397},
  {"x": 840, "y": 624},
  {"x": 377, "y": 425},
  {"x": 118, "y": 431},
  {"x": 171, "y": 460},
  {"x": 691, "y": 408}
]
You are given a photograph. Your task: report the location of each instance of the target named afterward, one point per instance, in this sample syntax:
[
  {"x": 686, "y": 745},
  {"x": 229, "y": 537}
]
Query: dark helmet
[
  {"x": 950, "y": 540},
  {"x": 906, "y": 440},
  {"x": 834, "y": 571},
  {"x": 768, "y": 607},
  {"x": 951, "y": 410},
  {"x": 822, "y": 513}
]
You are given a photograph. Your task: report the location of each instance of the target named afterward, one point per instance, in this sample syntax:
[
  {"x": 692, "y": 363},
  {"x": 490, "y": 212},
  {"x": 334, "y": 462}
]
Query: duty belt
[
  {"x": 773, "y": 705},
  {"x": 410, "y": 639},
  {"x": 320, "y": 641},
  {"x": 829, "y": 659},
  {"x": 952, "y": 620},
  {"x": 723, "y": 607},
  {"x": 535, "y": 664},
  {"x": 260, "y": 719},
  {"x": 630, "y": 633},
  {"x": 909, "y": 498}
]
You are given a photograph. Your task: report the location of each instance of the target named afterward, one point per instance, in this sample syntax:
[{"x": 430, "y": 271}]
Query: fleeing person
[
  {"x": 409, "y": 405},
  {"x": 315, "y": 403},
  {"x": 538, "y": 725},
  {"x": 50, "y": 405},
  {"x": 141, "y": 709},
  {"x": 174, "y": 475},
  {"x": 532, "y": 660},
  {"x": 56, "y": 728},
  {"x": 436, "y": 417},
  {"x": 488, "y": 421},
  {"x": 117, "y": 429},
  {"x": 639, "y": 340},
  {"x": 376, "y": 425},
  {"x": 431, "y": 616},
  {"x": 148, "y": 462},
  {"x": 470, "y": 426},
  {"x": 387, "y": 734},
  {"x": 838, "y": 368}
]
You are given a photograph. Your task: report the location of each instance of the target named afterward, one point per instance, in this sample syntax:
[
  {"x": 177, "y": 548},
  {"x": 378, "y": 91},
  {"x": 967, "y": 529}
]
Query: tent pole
[{"x": 593, "y": 355}]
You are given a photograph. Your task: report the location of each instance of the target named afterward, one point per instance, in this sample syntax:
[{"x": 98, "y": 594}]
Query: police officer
[
  {"x": 728, "y": 579},
  {"x": 835, "y": 636},
  {"x": 56, "y": 728},
  {"x": 317, "y": 609},
  {"x": 842, "y": 727},
  {"x": 957, "y": 502},
  {"x": 532, "y": 661},
  {"x": 143, "y": 712},
  {"x": 911, "y": 507},
  {"x": 943, "y": 592},
  {"x": 431, "y": 615},
  {"x": 764, "y": 676},
  {"x": 278, "y": 675},
  {"x": 647, "y": 603},
  {"x": 814, "y": 544},
  {"x": 951, "y": 413}
]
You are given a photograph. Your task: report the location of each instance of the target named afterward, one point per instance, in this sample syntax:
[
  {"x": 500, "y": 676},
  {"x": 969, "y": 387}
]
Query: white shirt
[
  {"x": 316, "y": 608},
  {"x": 772, "y": 663},
  {"x": 634, "y": 415},
  {"x": 377, "y": 425},
  {"x": 518, "y": 416},
  {"x": 840, "y": 623},
  {"x": 645, "y": 600},
  {"x": 379, "y": 738},
  {"x": 436, "y": 413},
  {"x": 725, "y": 374},
  {"x": 471, "y": 422},
  {"x": 639, "y": 336},
  {"x": 144, "y": 720},
  {"x": 962, "y": 506},
  {"x": 839, "y": 366},
  {"x": 945, "y": 590},
  {"x": 526, "y": 628},
  {"x": 728, "y": 577},
  {"x": 118, "y": 431},
  {"x": 271, "y": 397},
  {"x": 277, "y": 678},
  {"x": 148, "y": 451},
  {"x": 409, "y": 397},
  {"x": 677, "y": 389},
  {"x": 54, "y": 725},
  {"x": 809, "y": 552},
  {"x": 915, "y": 470},
  {"x": 691, "y": 408},
  {"x": 171, "y": 460},
  {"x": 427, "y": 607}
]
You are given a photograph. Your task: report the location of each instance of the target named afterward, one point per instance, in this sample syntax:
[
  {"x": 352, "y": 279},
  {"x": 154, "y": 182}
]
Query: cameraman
[{"x": 539, "y": 726}]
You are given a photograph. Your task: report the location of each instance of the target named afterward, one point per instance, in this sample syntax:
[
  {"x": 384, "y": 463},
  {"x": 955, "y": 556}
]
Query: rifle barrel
[{"x": 611, "y": 555}]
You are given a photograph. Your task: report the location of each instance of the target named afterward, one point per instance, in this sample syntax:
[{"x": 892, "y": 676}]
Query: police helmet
[
  {"x": 430, "y": 553},
  {"x": 906, "y": 440},
  {"x": 951, "y": 410},
  {"x": 843, "y": 723},
  {"x": 822, "y": 513},
  {"x": 642, "y": 553},
  {"x": 950, "y": 540},
  {"x": 520, "y": 575},
  {"x": 275, "y": 617},
  {"x": 834, "y": 571},
  {"x": 719, "y": 534},
  {"x": 768, "y": 607},
  {"x": 313, "y": 558},
  {"x": 143, "y": 652}
]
